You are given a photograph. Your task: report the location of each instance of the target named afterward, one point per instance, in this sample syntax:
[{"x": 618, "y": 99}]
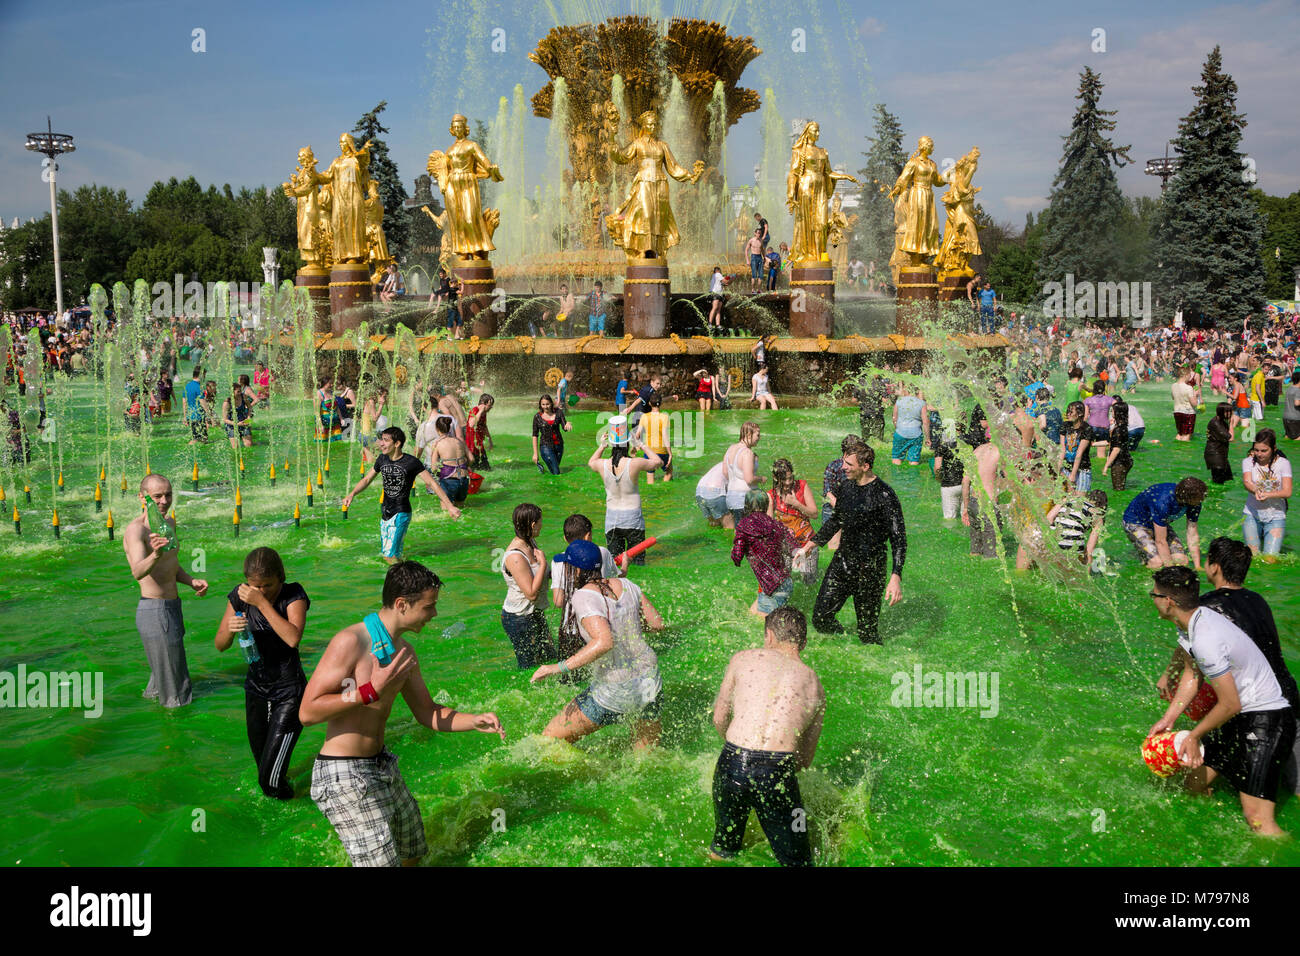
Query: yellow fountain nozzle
[
  {"x": 272, "y": 469},
  {"x": 297, "y": 512},
  {"x": 235, "y": 518},
  {"x": 55, "y": 520},
  {"x": 101, "y": 473},
  {"x": 147, "y": 470},
  {"x": 194, "y": 472},
  {"x": 99, "y": 494},
  {"x": 239, "y": 497},
  {"x": 15, "y": 512},
  {"x": 110, "y": 517},
  {"x": 60, "y": 479}
]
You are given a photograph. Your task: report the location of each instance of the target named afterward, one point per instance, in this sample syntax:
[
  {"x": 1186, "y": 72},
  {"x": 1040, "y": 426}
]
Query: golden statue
[
  {"x": 469, "y": 227},
  {"x": 349, "y": 177},
  {"x": 303, "y": 186},
  {"x": 808, "y": 189},
  {"x": 644, "y": 226},
  {"x": 840, "y": 228},
  {"x": 916, "y": 226},
  {"x": 440, "y": 220},
  {"x": 960, "y": 239},
  {"x": 376, "y": 241}
]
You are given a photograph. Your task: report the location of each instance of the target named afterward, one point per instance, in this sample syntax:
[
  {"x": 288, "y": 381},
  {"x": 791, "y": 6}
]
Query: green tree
[
  {"x": 1209, "y": 235},
  {"x": 1085, "y": 207},
  {"x": 98, "y": 231},
  {"x": 384, "y": 171},
  {"x": 885, "y": 159},
  {"x": 1013, "y": 267},
  {"x": 1281, "y": 246},
  {"x": 27, "y": 265}
]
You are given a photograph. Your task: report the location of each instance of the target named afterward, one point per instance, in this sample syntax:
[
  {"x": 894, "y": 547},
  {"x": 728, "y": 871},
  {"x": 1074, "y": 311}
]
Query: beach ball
[{"x": 1161, "y": 752}]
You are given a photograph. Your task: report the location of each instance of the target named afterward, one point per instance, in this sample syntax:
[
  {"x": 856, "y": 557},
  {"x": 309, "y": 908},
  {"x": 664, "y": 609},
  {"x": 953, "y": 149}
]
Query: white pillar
[{"x": 54, "y": 215}]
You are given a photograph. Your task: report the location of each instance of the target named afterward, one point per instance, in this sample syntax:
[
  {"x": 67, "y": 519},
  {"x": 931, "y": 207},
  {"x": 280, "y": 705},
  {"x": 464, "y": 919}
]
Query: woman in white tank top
[
  {"x": 624, "y": 523},
  {"x": 741, "y": 466},
  {"x": 525, "y": 570}
]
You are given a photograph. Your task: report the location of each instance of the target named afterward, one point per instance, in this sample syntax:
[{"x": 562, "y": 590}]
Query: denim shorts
[
  {"x": 602, "y": 717},
  {"x": 714, "y": 508},
  {"x": 755, "y": 266},
  {"x": 1100, "y": 433},
  {"x": 767, "y": 603},
  {"x": 1264, "y": 536}
]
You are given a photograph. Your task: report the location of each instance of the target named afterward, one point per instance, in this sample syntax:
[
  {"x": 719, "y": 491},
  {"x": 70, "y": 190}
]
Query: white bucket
[{"x": 618, "y": 430}]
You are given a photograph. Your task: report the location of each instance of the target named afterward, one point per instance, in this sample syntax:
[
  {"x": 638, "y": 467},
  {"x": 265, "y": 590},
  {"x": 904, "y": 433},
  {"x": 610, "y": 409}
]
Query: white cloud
[{"x": 870, "y": 27}]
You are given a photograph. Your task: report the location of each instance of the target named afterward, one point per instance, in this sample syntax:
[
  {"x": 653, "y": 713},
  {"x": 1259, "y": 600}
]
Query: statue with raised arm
[
  {"x": 808, "y": 189},
  {"x": 916, "y": 225},
  {"x": 644, "y": 226},
  {"x": 303, "y": 186},
  {"x": 960, "y": 239},
  {"x": 469, "y": 227}
]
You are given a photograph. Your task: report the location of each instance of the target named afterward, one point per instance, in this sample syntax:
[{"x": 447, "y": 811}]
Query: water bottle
[
  {"x": 164, "y": 529},
  {"x": 456, "y": 630},
  {"x": 246, "y": 642}
]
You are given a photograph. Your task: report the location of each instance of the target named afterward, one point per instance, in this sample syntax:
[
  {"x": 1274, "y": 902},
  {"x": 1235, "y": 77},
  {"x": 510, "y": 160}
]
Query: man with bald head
[{"x": 151, "y": 553}]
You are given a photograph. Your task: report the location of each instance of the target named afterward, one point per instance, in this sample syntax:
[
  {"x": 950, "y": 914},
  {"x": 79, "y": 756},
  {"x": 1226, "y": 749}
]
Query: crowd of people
[{"x": 1003, "y": 430}]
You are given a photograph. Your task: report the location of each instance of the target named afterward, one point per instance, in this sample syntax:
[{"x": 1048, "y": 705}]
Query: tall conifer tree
[
  {"x": 885, "y": 160},
  {"x": 1208, "y": 238},
  {"x": 384, "y": 171},
  {"x": 1086, "y": 206}
]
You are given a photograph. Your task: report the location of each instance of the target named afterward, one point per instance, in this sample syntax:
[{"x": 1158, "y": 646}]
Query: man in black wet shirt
[{"x": 868, "y": 514}]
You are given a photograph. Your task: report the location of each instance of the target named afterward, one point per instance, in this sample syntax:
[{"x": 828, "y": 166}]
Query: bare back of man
[{"x": 774, "y": 700}]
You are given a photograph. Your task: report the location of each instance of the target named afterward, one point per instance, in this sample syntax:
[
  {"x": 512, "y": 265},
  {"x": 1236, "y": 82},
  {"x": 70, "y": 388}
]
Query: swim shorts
[
  {"x": 392, "y": 531},
  {"x": 1250, "y": 749},
  {"x": 370, "y": 808},
  {"x": 907, "y": 449}
]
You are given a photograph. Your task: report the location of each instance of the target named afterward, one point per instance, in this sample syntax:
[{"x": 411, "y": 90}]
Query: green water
[{"x": 1032, "y": 786}]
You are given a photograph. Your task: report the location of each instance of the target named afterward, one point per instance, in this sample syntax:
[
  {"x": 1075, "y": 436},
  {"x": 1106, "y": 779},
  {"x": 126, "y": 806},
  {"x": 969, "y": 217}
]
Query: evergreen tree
[
  {"x": 1281, "y": 247},
  {"x": 384, "y": 171},
  {"x": 1085, "y": 207},
  {"x": 885, "y": 161},
  {"x": 1208, "y": 238}
]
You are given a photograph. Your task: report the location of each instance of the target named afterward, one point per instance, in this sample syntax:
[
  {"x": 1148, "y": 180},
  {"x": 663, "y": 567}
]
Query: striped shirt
[{"x": 1074, "y": 523}]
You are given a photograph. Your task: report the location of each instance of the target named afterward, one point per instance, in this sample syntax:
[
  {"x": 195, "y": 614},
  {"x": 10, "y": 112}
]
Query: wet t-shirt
[
  {"x": 398, "y": 477},
  {"x": 279, "y": 660}
]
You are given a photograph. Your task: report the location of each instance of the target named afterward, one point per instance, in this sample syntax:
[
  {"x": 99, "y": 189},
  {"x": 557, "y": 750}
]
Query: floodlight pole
[{"x": 52, "y": 144}]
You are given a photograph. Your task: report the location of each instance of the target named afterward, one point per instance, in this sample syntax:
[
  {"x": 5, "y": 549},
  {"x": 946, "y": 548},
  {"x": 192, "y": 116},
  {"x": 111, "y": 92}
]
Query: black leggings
[
  {"x": 767, "y": 783},
  {"x": 273, "y": 730},
  {"x": 865, "y": 583}
]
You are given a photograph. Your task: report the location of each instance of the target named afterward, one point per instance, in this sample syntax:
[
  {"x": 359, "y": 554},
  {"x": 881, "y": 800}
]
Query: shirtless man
[
  {"x": 355, "y": 780},
  {"x": 769, "y": 710},
  {"x": 158, "y": 615},
  {"x": 984, "y": 530}
]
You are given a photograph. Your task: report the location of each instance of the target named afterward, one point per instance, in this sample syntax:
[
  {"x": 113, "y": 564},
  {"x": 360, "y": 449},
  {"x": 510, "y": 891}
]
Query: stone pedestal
[
  {"x": 317, "y": 283},
  {"x": 811, "y": 313},
  {"x": 476, "y": 300},
  {"x": 953, "y": 288},
  {"x": 918, "y": 296},
  {"x": 350, "y": 290},
  {"x": 645, "y": 299}
]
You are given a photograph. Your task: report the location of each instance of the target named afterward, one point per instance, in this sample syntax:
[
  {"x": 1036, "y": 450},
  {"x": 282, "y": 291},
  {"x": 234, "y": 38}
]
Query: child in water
[{"x": 269, "y": 616}]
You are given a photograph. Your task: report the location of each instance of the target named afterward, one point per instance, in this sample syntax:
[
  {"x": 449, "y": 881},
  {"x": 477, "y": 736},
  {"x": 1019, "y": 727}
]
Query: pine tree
[
  {"x": 1208, "y": 237},
  {"x": 885, "y": 160},
  {"x": 383, "y": 170},
  {"x": 1086, "y": 206}
]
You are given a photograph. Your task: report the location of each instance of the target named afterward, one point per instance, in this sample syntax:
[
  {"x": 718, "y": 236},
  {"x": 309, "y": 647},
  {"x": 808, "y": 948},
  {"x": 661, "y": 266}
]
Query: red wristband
[{"x": 367, "y": 691}]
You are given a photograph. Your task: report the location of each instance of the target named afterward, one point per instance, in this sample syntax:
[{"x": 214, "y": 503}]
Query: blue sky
[{"x": 123, "y": 79}]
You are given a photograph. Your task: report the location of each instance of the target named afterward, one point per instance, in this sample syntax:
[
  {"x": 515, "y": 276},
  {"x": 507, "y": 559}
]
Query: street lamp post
[
  {"x": 52, "y": 144},
  {"x": 1163, "y": 166}
]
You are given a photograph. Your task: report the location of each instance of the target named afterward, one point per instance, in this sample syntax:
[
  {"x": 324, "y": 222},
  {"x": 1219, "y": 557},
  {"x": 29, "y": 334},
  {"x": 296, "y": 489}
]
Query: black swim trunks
[
  {"x": 1250, "y": 749},
  {"x": 767, "y": 782}
]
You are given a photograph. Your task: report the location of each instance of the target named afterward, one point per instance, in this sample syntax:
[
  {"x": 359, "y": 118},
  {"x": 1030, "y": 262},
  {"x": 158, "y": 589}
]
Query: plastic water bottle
[
  {"x": 246, "y": 642},
  {"x": 456, "y": 630}
]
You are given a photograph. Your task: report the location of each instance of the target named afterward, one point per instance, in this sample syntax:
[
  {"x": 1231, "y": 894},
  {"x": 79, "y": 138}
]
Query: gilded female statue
[
  {"x": 302, "y": 186},
  {"x": 916, "y": 226},
  {"x": 644, "y": 226},
  {"x": 808, "y": 189},
  {"x": 960, "y": 240},
  {"x": 469, "y": 225},
  {"x": 349, "y": 177}
]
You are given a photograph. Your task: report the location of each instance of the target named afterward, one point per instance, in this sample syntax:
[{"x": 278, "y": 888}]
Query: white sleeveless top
[{"x": 515, "y": 602}]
